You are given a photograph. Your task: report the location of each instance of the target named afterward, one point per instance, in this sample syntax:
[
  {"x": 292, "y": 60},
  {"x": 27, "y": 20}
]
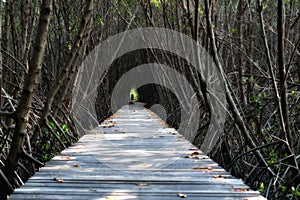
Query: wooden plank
[
  {"x": 130, "y": 197},
  {"x": 133, "y": 155}
]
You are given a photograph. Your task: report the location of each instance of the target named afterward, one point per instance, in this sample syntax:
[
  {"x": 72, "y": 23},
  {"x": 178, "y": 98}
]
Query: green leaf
[
  {"x": 51, "y": 124},
  {"x": 283, "y": 188},
  {"x": 64, "y": 127},
  {"x": 156, "y": 3},
  {"x": 233, "y": 30},
  {"x": 261, "y": 187},
  {"x": 296, "y": 192}
]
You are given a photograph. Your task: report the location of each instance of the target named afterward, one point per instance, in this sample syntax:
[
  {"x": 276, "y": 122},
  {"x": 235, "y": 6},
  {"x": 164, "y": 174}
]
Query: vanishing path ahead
[{"x": 133, "y": 155}]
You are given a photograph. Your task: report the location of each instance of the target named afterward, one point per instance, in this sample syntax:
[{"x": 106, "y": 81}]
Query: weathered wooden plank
[
  {"x": 133, "y": 155},
  {"x": 153, "y": 186},
  {"x": 138, "y": 190},
  {"x": 204, "y": 181},
  {"x": 130, "y": 197}
]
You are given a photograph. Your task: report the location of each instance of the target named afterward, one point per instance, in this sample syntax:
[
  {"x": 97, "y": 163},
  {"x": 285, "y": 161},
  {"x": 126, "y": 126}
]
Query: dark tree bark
[
  {"x": 0, "y": 56},
  {"x": 282, "y": 71},
  {"x": 232, "y": 105},
  {"x": 68, "y": 65},
  {"x": 196, "y": 20},
  {"x": 25, "y": 24},
  {"x": 240, "y": 62},
  {"x": 31, "y": 83}
]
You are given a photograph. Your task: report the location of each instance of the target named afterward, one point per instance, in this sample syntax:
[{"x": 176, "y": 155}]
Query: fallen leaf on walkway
[
  {"x": 165, "y": 124},
  {"x": 65, "y": 157},
  {"x": 218, "y": 176},
  {"x": 193, "y": 148},
  {"x": 240, "y": 189},
  {"x": 110, "y": 125},
  {"x": 76, "y": 165},
  {"x": 203, "y": 168},
  {"x": 182, "y": 195},
  {"x": 58, "y": 180},
  {"x": 107, "y": 125},
  {"x": 193, "y": 155}
]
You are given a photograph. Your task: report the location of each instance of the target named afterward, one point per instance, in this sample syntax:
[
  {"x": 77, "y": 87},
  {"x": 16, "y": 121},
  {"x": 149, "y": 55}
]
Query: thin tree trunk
[
  {"x": 12, "y": 27},
  {"x": 66, "y": 96},
  {"x": 249, "y": 71},
  {"x": 31, "y": 83},
  {"x": 25, "y": 23},
  {"x": 283, "y": 72},
  {"x": 164, "y": 13},
  {"x": 270, "y": 65},
  {"x": 240, "y": 63},
  {"x": 178, "y": 21},
  {"x": 190, "y": 20},
  {"x": 0, "y": 56},
  {"x": 68, "y": 65},
  {"x": 236, "y": 114},
  {"x": 30, "y": 34},
  {"x": 196, "y": 20},
  {"x": 4, "y": 45}
]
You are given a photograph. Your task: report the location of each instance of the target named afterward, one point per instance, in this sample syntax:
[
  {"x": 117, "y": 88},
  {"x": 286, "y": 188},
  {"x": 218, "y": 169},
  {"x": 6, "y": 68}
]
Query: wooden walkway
[{"x": 133, "y": 155}]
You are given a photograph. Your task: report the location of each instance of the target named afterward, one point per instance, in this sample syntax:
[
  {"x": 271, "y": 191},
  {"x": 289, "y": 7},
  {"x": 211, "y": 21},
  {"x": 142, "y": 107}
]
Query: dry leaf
[
  {"x": 142, "y": 184},
  {"x": 218, "y": 176},
  {"x": 107, "y": 125},
  {"x": 65, "y": 157},
  {"x": 165, "y": 124},
  {"x": 194, "y": 155},
  {"x": 193, "y": 148},
  {"x": 58, "y": 180},
  {"x": 182, "y": 195},
  {"x": 240, "y": 189},
  {"x": 76, "y": 165},
  {"x": 110, "y": 125},
  {"x": 203, "y": 168}
]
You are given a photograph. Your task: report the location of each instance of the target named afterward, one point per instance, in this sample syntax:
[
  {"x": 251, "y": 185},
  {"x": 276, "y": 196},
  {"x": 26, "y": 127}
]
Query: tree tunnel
[
  {"x": 157, "y": 97},
  {"x": 171, "y": 73}
]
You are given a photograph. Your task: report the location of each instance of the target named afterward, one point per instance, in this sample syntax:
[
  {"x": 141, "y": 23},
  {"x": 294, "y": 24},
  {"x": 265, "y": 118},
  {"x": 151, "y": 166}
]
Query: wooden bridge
[{"x": 133, "y": 155}]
